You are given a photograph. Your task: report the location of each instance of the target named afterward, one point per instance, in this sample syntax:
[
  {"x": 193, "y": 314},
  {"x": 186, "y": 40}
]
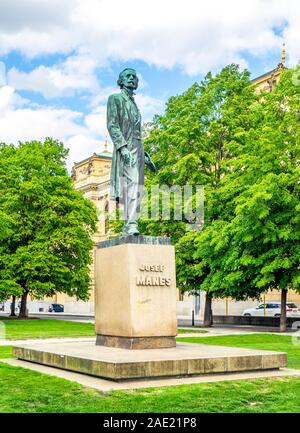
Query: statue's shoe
[{"x": 132, "y": 232}]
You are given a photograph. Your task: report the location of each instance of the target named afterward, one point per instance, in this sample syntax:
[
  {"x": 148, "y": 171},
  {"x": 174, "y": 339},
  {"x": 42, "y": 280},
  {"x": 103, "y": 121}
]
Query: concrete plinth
[
  {"x": 135, "y": 296},
  {"x": 122, "y": 364},
  {"x": 136, "y": 342}
]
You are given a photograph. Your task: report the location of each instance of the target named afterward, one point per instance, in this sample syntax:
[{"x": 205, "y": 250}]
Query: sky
[{"x": 60, "y": 59}]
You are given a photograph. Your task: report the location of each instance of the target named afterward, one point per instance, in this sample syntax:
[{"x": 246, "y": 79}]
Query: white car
[{"x": 273, "y": 309}]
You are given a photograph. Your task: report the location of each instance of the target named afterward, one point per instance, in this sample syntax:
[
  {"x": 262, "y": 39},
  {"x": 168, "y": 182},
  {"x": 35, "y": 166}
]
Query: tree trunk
[
  {"x": 208, "y": 317},
  {"x": 13, "y": 306},
  {"x": 283, "y": 311},
  {"x": 23, "y": 307}
]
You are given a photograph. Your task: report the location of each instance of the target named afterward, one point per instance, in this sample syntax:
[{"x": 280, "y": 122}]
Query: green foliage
[
  {"x": 201, "y": 131},
  {"x": 244, "y": 148},
  {"x": 254, "y": 247},
  {"x": 48, "y": 235},
  {"x": 195, "y": 135}
]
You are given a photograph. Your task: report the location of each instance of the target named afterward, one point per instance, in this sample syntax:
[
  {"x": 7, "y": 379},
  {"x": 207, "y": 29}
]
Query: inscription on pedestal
[{"x": 147, "y": 279}]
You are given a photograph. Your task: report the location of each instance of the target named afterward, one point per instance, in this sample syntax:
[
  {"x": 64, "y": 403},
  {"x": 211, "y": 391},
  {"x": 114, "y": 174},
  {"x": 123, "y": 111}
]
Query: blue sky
[{"x": 59, "y": 59}]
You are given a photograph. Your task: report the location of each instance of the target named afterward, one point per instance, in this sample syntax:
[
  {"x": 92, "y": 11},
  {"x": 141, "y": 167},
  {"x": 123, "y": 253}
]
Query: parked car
[
  {"x": 56, "y": 308},
  {"x": 273, "y": 309}
]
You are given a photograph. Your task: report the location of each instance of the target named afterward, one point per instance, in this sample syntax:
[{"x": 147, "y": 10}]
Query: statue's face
[{"x": 130, "y": 79}]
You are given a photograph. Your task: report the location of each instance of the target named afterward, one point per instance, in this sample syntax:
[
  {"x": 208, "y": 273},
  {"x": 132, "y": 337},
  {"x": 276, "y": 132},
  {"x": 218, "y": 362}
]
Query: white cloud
[
  {"x": 36, "y": 26},
  {"x": 82, "y": 146},
  {"x": 83, "y": 135},
  {"x": 9, "y": 99},
  {"x": 16, "y": 15},
  {"x": 36, "y": 123},
  {"x": 2, "y": 74},
  {"x": 102, "y": 96},
  {"x": 96, "y": 120},
  {"x": 77, "y": 73},
  {"x": 149, "y": 106},
  {"x": 6, "y": 98},
  {"x": 195, "y": 35}
]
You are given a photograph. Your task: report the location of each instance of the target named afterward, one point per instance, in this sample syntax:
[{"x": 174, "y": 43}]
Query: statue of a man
[{"x": 129, "y": 157}]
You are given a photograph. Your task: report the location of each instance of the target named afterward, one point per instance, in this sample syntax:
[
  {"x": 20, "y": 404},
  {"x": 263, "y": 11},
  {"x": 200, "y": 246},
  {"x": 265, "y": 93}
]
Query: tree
[
  {"x": 188, "y": 275},
  {"x": 7, "y": 286},
  {"x": 192, "y": 143},
  {"x": 257, "y": 249},
  {"x": 49, "y": 243}
]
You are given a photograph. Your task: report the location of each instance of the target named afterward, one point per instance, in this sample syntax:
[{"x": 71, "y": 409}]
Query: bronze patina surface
[{"x": 129, "y": 157}]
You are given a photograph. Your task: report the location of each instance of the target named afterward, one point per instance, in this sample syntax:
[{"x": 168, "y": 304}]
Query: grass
[
  {"x": 34, "y": 328},
  {"x": 25, "y": 390},
  {"x": 29, "y": 391},
  {"x": 191, "y": 331},
  {"x": 279, "y": 343},
  {"x": 6, "y": 352},
  {"x": 16, "y": 329}
]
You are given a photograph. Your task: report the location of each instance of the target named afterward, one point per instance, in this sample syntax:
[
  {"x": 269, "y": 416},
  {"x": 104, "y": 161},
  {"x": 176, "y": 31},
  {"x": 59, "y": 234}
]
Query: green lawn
[
  {"x": 29, "y": 391},
  {"x": 46, "y": 328},
  {"x": 50, "y": 328},
  {"x": 191, "y": 331},
  {"x": 279, "y": 343},
  {"x": 6, "y": 352}
]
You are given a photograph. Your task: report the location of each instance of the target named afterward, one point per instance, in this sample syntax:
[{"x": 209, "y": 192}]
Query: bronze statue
[{"x": 129, "y": 157}]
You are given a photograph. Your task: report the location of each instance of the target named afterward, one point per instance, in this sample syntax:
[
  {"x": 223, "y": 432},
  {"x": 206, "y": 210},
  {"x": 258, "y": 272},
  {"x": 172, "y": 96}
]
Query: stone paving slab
[
  {"x": 105, "y": 385},
  {"x": 120, "y": 364}
]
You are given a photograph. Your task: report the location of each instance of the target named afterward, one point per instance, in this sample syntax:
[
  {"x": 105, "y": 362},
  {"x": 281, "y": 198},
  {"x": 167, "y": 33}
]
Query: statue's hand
[
  {"x": 149, "y": 163},
  {"x": 126, "y": 155}
]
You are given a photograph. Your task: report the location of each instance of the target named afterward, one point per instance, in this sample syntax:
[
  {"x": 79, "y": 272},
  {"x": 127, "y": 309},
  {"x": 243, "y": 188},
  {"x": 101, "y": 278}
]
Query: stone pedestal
[
  {"x": 121, "y": 364},
  {"x": 135, "y": 297}
]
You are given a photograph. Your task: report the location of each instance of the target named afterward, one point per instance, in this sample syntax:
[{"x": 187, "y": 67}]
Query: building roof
[
  {"x": 266, "y": 74},
  {"x": 105, "y": 154},
  {"x": 280, "y": 67}
]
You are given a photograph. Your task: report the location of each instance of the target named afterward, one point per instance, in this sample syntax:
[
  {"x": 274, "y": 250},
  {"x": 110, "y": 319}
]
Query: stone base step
[{"x": 121, "y": 364}]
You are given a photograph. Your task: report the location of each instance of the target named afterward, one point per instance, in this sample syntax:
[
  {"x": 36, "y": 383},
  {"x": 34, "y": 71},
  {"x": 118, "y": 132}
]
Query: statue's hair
[{"x": 120, "y": 79}]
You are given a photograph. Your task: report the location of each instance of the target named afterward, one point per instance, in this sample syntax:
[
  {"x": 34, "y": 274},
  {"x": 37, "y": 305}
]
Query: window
[{"x": 291, "y": 305}]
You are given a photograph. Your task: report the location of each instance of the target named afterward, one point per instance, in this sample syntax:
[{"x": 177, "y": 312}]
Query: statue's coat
[{"x": 124, "y": 126}]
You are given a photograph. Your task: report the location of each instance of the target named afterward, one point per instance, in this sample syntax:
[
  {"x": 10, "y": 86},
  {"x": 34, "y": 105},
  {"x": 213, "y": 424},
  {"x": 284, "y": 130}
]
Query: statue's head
[{"x": 128, "y": 78}]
